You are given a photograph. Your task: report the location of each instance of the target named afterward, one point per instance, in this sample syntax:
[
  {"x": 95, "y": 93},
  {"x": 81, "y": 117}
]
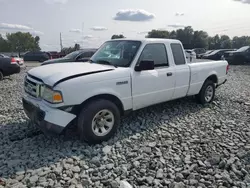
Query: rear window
[{"x": 178, "y": 54}]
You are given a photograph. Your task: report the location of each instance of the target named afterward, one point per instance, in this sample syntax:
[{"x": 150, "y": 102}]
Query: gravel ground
[{"x": 177, "y": 144}]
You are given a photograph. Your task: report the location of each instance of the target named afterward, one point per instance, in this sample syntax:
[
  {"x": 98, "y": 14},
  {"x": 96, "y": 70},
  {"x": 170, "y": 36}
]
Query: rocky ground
[{"x": 177, "y": 144}]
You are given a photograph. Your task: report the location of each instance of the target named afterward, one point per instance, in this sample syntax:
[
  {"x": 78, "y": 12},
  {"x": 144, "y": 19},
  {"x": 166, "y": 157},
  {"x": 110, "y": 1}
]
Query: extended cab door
[
  {"x": 182, "y": 71},
  {"x": 153, "y": 86}
]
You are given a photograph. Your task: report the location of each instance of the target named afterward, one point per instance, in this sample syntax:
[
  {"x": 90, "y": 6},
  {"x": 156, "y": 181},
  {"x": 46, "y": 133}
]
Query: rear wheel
[
  {"x": 98, "y": 121},
  {"x": 1, "y": 75},
  {"x": 207, "y": 92}
]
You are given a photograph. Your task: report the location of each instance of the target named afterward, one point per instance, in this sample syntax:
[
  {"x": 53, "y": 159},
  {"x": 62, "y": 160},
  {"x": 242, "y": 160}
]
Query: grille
[{"x": 32, "y": 88}]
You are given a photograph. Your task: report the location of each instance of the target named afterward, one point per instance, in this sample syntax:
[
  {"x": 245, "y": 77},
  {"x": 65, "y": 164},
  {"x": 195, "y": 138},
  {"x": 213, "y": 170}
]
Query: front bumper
[{"x": 47, "y": 119}]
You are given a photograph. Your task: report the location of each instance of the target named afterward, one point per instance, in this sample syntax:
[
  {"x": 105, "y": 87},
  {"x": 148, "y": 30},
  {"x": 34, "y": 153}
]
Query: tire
[
  {"x": 207, "y": 93},
  {"x": 87, "y": 122},
  {"x": 1, "y": 75}
]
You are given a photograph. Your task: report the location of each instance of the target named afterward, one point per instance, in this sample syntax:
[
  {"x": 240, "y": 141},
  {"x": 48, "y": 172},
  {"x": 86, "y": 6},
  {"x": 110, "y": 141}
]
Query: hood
[
  {"x": 59, "y": 60},
  {"x": 56, "y": 73}
]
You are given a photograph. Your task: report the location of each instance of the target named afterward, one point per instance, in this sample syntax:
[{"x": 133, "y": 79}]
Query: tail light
[
  {"x": 13, "y": 61},
  {"x": 227, "y": 69}
]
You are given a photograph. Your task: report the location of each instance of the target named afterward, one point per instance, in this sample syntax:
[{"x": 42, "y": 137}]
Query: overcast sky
[{"x": 92, "y": 22}]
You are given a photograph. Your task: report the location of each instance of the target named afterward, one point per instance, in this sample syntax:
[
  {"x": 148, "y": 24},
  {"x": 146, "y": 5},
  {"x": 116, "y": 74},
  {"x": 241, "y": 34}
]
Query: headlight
[
  {"x": 50, "y": 95},
  {"x": 230, "y": 54}
]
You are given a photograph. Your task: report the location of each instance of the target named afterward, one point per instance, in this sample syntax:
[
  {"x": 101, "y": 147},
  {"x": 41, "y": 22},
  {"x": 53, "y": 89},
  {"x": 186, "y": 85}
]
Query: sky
[{"x": 90, "y": 23}]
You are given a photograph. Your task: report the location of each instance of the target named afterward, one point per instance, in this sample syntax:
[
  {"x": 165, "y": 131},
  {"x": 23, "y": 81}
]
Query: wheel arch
[
  {"x": 212, "y": 77},
  {"x": 110, "y": 97}
]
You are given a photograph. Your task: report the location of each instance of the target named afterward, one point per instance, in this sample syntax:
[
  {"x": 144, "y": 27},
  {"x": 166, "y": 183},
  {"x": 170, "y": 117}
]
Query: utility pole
[
  {"x": 82, "y": 34},
  {"x": 61, "y": 41}
]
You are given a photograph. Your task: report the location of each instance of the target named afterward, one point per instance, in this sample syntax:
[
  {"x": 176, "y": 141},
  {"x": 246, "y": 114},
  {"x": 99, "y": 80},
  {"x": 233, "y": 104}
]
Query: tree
[
  {"x": 21, "y": 42},
  {"x": 225, "y": 42},
  {"x": 4, "y": 45},
  {"x": 158, "y": 34},
  {"x": 200, "y": 39},
  {"x": 185, "y": 36},
  {"x": 77, "y": 47},
  {"x": 117, "y": 36}
]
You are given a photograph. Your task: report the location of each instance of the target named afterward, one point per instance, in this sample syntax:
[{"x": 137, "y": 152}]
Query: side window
[
  {"x": 156, "y": 53},
  {"x": 85, "y": 55},
  {"x": 179, "y": 57}
]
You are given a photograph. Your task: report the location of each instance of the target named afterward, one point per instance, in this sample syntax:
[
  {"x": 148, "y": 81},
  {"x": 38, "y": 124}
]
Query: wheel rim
[
  {"x": 103, "y": 122},
  {"x": 209, "y": 93}
]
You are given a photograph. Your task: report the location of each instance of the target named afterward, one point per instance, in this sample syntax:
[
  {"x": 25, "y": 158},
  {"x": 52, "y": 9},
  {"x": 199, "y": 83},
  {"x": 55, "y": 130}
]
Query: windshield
[
  {"x": 118, "y": 53},
  {"x": 72, "y": 55},
  {"x": 242, "y": 49}
]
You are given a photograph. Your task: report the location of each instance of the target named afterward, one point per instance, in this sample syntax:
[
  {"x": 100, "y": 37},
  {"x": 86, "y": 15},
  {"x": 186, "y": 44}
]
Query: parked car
[
  {"x": 54, "y": 54},
  {"x": 36, "y": 56},
  {"x": 122, "y": 76},
  {"x": 199, "y": 56},
  {"x": 76, "y": 56},
  {"x": 199, "y": 51},
  {"x": 216, "y": 54},
  {"x": 18, "y": 59},
  {"x": 8, "y": 66},
  {"x": 239, "y": 56},
  {"x": 190, "y": 55},
  {"x": 2, "y": 55}
]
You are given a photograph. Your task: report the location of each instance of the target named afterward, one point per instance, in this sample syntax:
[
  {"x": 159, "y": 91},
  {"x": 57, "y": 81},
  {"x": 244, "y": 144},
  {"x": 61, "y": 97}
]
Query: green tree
[
  {"x": 214, "y": 42},
  {"x": 185, "y": 36},
  {"x": 77, "y": 47},
  {"x": 4, "y": 45},
  {"x": 225, "y": 42},
  {"x": 117, "y": 36},
  {"x": 21, "y": 42},
  {"x": 158, "y": 34},
  {"x": 200, "y": 39}
]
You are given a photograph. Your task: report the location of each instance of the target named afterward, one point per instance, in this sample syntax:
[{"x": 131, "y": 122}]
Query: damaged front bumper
[{"x": 49, "y": 120}]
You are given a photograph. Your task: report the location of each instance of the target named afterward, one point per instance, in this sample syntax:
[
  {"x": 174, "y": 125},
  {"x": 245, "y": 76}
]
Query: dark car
[
  {"x": 239, "y": 56},
  {"x": 76, "y": 56},
  {"x": 8, "y": 66},
  {"x": 54, "y": 54},
  {"x": 216, "y": 54},
  {"x": 199, "y": 56},
  {"x": 36, "y": 56}
]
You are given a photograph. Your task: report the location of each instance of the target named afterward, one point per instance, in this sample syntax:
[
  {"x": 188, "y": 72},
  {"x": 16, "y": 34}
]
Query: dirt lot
[{"x": 177, "y": 144}]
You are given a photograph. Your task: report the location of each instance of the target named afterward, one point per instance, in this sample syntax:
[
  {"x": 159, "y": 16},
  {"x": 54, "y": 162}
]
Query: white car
[
  {"x": 190, "y": 55},
  {"x": 94, "y": 95},
  {"x": 18, "y": 59}
]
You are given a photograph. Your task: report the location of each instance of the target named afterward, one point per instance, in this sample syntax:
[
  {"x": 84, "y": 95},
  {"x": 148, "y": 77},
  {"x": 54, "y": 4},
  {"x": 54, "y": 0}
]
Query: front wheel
[
  {"x": 207, "y": 92},
  {"x": 98, "y": 121}
]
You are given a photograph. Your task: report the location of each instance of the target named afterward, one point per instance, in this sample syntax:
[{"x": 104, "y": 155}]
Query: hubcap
[
  {"x": 103, "y": 122},
  {"x": 209, "y": 93}
]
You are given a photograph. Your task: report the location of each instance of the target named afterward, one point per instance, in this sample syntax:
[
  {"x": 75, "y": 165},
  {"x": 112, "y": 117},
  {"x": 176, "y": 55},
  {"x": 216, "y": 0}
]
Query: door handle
[{"x": 169, "y": 74}]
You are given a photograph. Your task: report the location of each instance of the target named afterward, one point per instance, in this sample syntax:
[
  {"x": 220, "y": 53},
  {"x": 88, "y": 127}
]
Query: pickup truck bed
[{"x": 123, "y": 75}]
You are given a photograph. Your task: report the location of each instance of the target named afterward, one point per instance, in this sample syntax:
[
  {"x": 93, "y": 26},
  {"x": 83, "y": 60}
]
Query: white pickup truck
[{"x": 123, "y": 75}]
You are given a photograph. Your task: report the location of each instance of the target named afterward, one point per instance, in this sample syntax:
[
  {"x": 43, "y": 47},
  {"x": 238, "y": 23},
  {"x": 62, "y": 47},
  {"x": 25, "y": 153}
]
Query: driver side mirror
[{"x": 145, "y": 65}]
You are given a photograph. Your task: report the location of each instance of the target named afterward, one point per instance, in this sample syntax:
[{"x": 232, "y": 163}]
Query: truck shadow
[{"x": 25, "y": 149}]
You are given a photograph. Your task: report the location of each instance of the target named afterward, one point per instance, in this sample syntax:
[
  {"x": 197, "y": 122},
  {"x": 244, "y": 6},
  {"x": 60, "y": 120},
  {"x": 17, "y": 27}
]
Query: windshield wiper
[{"x": 103, "y": 62}]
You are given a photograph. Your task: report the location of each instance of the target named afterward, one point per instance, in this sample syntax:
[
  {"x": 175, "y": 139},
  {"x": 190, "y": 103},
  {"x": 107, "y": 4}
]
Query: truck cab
[{"x": 123, "y": 75}]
